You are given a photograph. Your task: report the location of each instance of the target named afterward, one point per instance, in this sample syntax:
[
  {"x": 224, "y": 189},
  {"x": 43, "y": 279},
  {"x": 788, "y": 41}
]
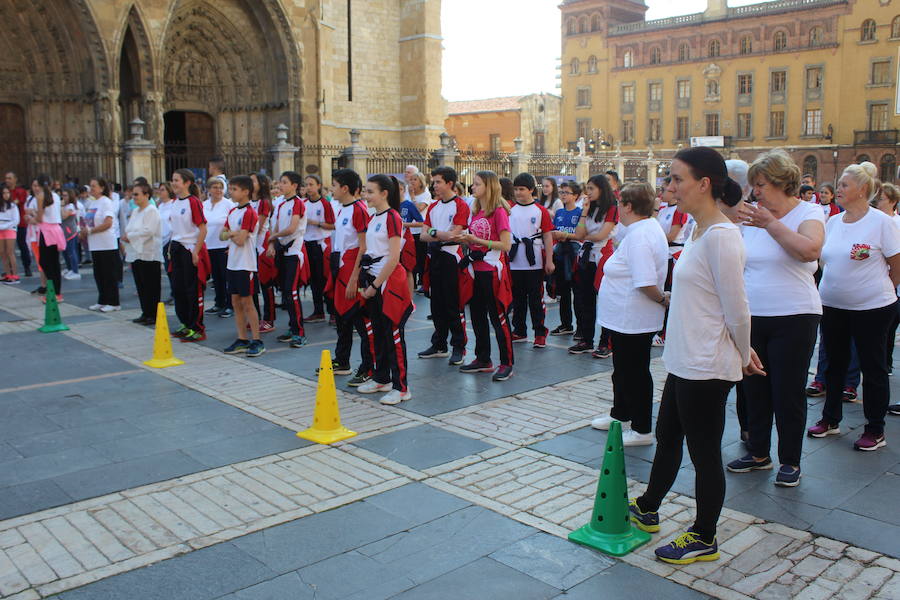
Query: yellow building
[
  {"x": 817, "y": 77},
  {"x": 492, "y": 124}
]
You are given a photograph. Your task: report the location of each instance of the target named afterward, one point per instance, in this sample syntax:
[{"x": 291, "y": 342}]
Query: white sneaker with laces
[
  {"x": 373, "y": 387},
  {"x": 658, "y": 341},
  {"x": 633, "y": 438},
  {"x": 110, "y": 308},
  {"x": 395, "y": 397},
  {"x": 95, "y": 307},
  {"x": 72, "y": 276},
  {"x": 603, "y": 423}
]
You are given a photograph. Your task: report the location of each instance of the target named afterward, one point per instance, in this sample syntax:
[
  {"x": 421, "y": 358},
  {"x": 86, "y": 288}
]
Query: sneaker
[
  {"x": 849, "y": 394},
  {"x": 360, "y": 377},
  {"x": 298, "y": 341},
  {"x": 658, "y": 341},
  {"x": 140, "y": 320},
  {"x": 332, "y": 322},
  {"x": 226, "y": 312},
  {"x": 72, "y": 276},
  {"x": 815, "y": 390},
  {"x": 477, "y": 366},
  {"x": 194, "y": 336},
  {"x": 823, "y": 428},
  {"x": 315, "y": 318},
  {"x": 237, "y": 347},
  {"x": 788, "y": 476},
  {"x": 256, "y": 349},
  {"x": 577, "y": 337},
  {"x": 869, "y": 441},
  {"x": 631, "y": 437},
  {"x": 457, "y": 357},
  {"x": 434, "y": 352},
  {"x": 110, "y": 308},
  {"x": 894, "y": 409},
  {"x": 39, "y": 291},
  {"x": 170, "y": 301},
  {"x": 602, "y": 352},
  {"x": 518, "y": 337},
  {"x": 747, "y": 463},
  {"x": 339, "y": 369},
  {"x": 502, "y": 373},
  {"x": 13, "y": 280},
  {"x": 603, "y": 423},
  {"x": 563, "y": 330},
  {"x": 373, "y": 387},
  {"x": 180, "y": 332},
  {"x": 285, "y": 337},
  {"x": 687, "y": 548},
  {"x": 540, "y": 341},
  {"x": 266, "y": 327},
  {"x": 394, "y": 397},
  {"x": 580, "y": 348},
  {"x": 645, "y": 521},
  {"x": 214, "y": 310}
]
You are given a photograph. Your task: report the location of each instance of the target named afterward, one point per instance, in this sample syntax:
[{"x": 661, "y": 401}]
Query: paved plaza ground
[{"x": 119, "y": 481}]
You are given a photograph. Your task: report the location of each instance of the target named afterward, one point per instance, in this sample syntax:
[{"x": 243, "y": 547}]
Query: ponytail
[
  {"x": 706, "y": 162},
  {"x": 188, "y": 175},
  {"x": 389, "y": 184}
]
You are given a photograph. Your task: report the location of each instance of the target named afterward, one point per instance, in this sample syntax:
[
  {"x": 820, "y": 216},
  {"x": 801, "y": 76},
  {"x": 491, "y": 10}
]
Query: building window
[
  {"x": 655, "y": 90},
  {"x": 712, "y": 123},
  {"x": 811, "y": 166},
  {"x": 895, "y": 29},
  {"x": 814, "y": 78},
  {"x": 779, "y": 41},
  {"x": 888, "y": 168},
  {"x": 862, "y": 158},
  {"x": 745, "y": 83},
  {"x": 654, "y": 130},
  {"x": 746, "y": 45},
  {"x": 627, "y": 59},
  {"x": 583, "y": 128},
  {"x": 744, "y": 125},
  {"x": 816, "y": 36},
  {"x": 571, "y": 27},
  {"x": 655, "y": 56},
  {"x": 682, "y": 128},
  {"x": 539, "y": 143},
  {"x": 779, "y": 82},
  {"x": 595, "y": 23},
  {"x": 684, "y": 53},
  {"x": 628, "y": 131},
  {"x": 592, "y": 64},
  {"x": 583, "y": 96},
  {"x": 574, "y": 66},
  {"x": 628, "y": 94},
  {"x": 776, "y": 123},
  {"x": 495, "y": 142},
  {"x": 881, "y": 72},
  {"x": 814, "y": 122},
  {"x": 867, "y": 31},
  {"x": 714, "y": 48},
  {"x": 712, "y": 88},
  {"x": 878, "y": 116},
  {"x": 583, "y": 24},
  {"x": 684, "y": 89}
]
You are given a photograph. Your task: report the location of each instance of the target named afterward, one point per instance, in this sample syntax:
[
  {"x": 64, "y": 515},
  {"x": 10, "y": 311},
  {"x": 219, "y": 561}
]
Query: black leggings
[
  {"x": 105, "y": 268},
  {"x": 692, "y": 410},
  {"x": 631, "y": 379},
  {"x": 147, "y": 282},
  {"x": 49, "y": 262},
  {"x": 346, "y": 323},
  {"x": 528, "y": 291},
  {"x": 784, "y": 345}
]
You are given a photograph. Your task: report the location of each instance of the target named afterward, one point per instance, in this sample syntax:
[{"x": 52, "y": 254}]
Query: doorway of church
[
  {"x": 13, "y": 152},
  {"x": 190, "y": 141}
]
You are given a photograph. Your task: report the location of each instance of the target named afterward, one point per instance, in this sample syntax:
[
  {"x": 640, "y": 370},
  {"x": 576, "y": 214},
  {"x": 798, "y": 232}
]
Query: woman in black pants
[
  {"x": 707, "y": 351},
  {"x": 100, "y": 219},
  {"x": 144, "y": 236}
]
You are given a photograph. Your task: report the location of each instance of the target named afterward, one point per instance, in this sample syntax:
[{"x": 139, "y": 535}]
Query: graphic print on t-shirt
[{"x": 860, "y": 251}]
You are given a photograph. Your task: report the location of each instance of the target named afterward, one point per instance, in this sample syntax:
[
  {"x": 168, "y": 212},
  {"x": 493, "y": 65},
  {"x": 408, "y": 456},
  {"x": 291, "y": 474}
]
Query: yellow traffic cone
[
  {"x": 162, "y": 343},
  {"x": 326, "y": 428}
]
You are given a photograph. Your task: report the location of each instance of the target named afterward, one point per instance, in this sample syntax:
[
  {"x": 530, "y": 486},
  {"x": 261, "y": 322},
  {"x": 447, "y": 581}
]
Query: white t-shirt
[
  {"x": 642, "y": 259},
  {"x": 185, "y": 219},
  {"x": 708, "y": 330},
  {"x": 242, "y": 258},
  {"x": 777, "y": 283},
  {"x": 9, "y": 218},
  {"x": 351, "y": 221},
  {"x": 443, "y": 215},
  {"x": 319, "y": 211},
  {"x": 855, "y": 273},
  {"x": 382, "y": 227},
  {"x": 215, "y": 221},
  {"x": 283, "y": 215},
  {"x": 593, "y": 226},
  {"x": 97, "y": 211},
  {"x": 52, "y": 213},
  {"x": 528, "y": 221},
  {"x": 165, "y": 212}
]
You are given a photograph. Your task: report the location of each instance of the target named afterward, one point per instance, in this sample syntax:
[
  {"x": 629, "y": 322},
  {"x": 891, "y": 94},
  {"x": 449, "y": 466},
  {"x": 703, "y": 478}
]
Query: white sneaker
[
  {"x": 65, "y": 272},
  {"x": 95, "y": 307},
  {"x": 395, "y": 397},
  {"x": 373, "y": 387},
  {"x": 72, "y": 276},
  {"x": 631, "y": 437},
  {"x": 603, "y": 423},
  {"x": 658, "y": 341},
  {"x": 110, "y": 308}
]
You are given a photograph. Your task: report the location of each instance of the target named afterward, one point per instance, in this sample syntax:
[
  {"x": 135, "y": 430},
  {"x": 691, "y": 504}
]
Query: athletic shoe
[
  {"x": 71, "y": 276},
  {"x": 194, "y": 336},
  {"x": 823, "y": 428},
  {"x": 788, "y": 476},
  {"x": 477, "y": 366},
  {"x": 602, "y": 352},
  {"x": 13, "y": 280},
  {"x": 747, "y": 463},
  {"x": 869, "y": 441},
  {"x": 214, "y": 310},
  {"x": 339, "y": 369},
  {"x": 298, "y": 341},
  {"x": 373, "y": 387},
  {"x": 315, "y": 318},
  {"x": 226, "y": 312},
  {"x": 563, "y": 330},
  {"x": 687, "y": 548},
  {"x": 631, "y": 437},
  {"x": 502, "y": 373},
  {"x": 658, "y": 341},
  {"x": 332, "y": 321},
  {"x": 110, "y": 308},
  {"x": 603, "y": 423},
  {"x": 518, "y": 337},
  {"x": 894, "y": 409},
  {"x": 180, "y": 332},
  {"x": 434, "y": 352},
  {"x": 266, "y": 327},
  {"x": 285, "y": 337},
  {"x": 645, "y": 521},
  {"x": 256, "y": 349},
  {"x": 577, "y": 337},
  {"x": 815, "y": 389},
  {"x": 170, "y": 301},
  {"x": 394, "y": 397},
  {"x": 580, "y": 348},
  {"x": 39, "y": 291},
  {"x": 140, "y": 320},
  {"x": 849, "y": 394},
  {"x": 457, "y": 357},
  {"x": 360, "y": 377},
  {"x": 540, "y": 341},
  {"x": 237, "y": 347}
]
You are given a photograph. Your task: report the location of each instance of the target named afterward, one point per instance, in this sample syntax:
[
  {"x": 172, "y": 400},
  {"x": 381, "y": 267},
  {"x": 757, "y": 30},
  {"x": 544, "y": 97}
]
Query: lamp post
[{"x": 834, "y": 155}]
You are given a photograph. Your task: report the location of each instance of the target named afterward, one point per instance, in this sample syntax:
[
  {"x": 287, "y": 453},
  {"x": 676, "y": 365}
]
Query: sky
[{"x": 512, "y": 47}]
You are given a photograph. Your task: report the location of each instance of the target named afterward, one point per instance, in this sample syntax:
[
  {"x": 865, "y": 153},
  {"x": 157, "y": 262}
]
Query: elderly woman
[
  {"x": 783, "y": 239},
  {"x": 861, "y": 259},
  {"x": 143, "y": 233},
  {"x": 631, "y": 304}
]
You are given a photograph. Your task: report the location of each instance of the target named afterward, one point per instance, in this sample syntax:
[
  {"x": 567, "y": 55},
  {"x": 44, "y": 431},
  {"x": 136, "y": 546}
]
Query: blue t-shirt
[
  {"x": 566, "y": 220},
  {"x": 409, "y": 213}
]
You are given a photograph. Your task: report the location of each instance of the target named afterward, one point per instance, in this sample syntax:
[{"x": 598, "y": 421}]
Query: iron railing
[
  {"x": 469, "y": 162},
  {"x": 65, "y": 159},
  {"x": 394, "y": 161},
  {"x": 551, "y": 165},
  {"x": 876, "y": 137}
]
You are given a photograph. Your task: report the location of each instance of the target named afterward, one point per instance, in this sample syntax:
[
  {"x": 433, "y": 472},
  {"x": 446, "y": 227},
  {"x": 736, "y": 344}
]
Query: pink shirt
[{"x": 488, "y": 228}]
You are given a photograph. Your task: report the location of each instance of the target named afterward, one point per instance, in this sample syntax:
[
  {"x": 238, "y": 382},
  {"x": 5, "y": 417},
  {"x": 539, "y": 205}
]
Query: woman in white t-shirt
[
  {"x": 783, "y": 240},
  {"x": 100, "y": 231},
  {"x": 165, "y": 200},
  {"x": 631, "y": 304},
  {"x": 861, "y": 259},
  {"x": 707, "y": 351},
  {"x": 216, "y": 208},
  {"x": 143, "y": 234},
  {"x": 46, "y": 221}
]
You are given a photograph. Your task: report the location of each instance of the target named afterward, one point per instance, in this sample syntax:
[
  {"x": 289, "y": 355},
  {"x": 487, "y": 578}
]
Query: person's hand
[
  {"x": 369, "y": 292},
  {"x": 351, "y": 291},
  {"x": 195, "y": 257},
  {"x": 270, "y": 251},
  {"x": 756, "y": 215},
  {"x": 126, "y": 240},
  {"x": 667, "y": 297},
  {"x": 755, "y": 366},
  {"x": 559, "y": 235},
  {"x": 549, "y": 268}
]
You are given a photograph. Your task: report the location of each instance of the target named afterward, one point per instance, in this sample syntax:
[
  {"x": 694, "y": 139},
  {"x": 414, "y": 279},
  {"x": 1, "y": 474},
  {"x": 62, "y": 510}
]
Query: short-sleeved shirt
[
  {"x": 242, "y": 258},
  {"x": 528, "y": 221},
  {"x": 592, "y": 226},
  {"x": 185, "y": 218},
  {"x": 20, "y": 197},
  {"x": 443, "y": 215},
  {"x": 566, "y": 220},
  {"x": 409, "y": 212},
  {"x": 97, "y": 211},
  {"x": 351, "y": 221},
  {"x": 318, "y": 210},
  {"x": 488, "y": 228},
  {"x": 215, "y": 215},
  {"x": 381, "y": 228},
  {"x": 293, "y": 243}
]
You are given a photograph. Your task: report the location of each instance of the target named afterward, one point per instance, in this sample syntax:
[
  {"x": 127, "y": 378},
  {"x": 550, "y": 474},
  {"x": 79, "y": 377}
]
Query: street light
[{"x": 834, "y": 155}]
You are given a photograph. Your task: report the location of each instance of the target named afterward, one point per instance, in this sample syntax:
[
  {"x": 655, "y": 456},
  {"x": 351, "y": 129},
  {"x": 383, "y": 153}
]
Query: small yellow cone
[
  {"x": 326, "y": 428},
  {"x": 162, "y": 343}
]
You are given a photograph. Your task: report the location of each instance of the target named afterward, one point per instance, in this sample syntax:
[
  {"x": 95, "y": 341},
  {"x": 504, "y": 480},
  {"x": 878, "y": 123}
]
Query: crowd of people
[{"x": 735, "y": 269}]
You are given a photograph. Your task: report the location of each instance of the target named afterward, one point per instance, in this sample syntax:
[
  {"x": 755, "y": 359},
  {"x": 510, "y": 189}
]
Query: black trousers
[
  {"x": 564, "y": 292},
  {"x": 49, "y": 261},
  {"x": 447, "y": 318},
  {"x": 290, "y": 293},
  {"x": 631, "y": 379},
  {"x": 421, "y": 253},
  {"x": 586, "y": 301},
  {"x": 24, "y": 250},
  {"x": 105, "y": 269},
  {"x": 346, "y": 323},
  {"x": 483, "y": 308},
  {"x": 528, "y": 289},
  {"x": 218, "y": 259},
  {"x": 695, "y": 411},
  {"x": 784, "y": 345},
  {"x": 869, "y": 331},
  {"x": 147, "y": 281},
  {"x": 390, "y": 346},
  {"x": 892, "y": 335},
  {"x": 187, "y": 289},
  {"x": 316, "y": 276}
]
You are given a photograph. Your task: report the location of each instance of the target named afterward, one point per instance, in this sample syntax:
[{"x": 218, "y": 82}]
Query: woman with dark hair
[
  {"x": 826, "y": 200},
  {"x": 267, "y": 275},
  {"x": 506, "y": 190},
  {"x": 99, "y": 231},
  {"x": 188, "y": 256},
  {"x": 165, "y": 199},
  {"x": 707, "y": 351},
  {"x": 47, "y": 222},
  {"x": 549, "y": 197},
  {"x": 317, "y": 239}
]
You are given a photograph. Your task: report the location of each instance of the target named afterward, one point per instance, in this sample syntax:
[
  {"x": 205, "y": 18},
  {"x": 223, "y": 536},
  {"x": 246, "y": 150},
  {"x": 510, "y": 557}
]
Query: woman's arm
[
  {"x": 725, "y": 257},
  {"x": 894, "y": 265},
  {"x": 394, "y": 245},
  {"x": 674, "y": 232},
  {"x": 804, "y": 245},
  {"x": 352, "y": 284}
]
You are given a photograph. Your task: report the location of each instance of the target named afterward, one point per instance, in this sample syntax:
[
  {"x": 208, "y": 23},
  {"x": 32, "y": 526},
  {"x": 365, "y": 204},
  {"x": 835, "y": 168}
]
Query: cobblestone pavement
[{"x": 484, "y": 454}]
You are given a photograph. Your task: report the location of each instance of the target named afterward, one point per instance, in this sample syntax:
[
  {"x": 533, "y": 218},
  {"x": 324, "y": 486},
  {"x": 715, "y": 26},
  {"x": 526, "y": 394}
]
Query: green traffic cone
[
  {"x": 52, "y": 320},
  {"x": 610, "y": 530}
]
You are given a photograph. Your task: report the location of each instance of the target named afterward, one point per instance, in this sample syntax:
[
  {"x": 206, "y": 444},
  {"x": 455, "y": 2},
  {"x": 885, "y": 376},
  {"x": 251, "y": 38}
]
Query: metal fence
[
  {"x": 314, "y": 158},
  {"x": 469, "y": 163},
  {"x": 61, "y": 159},
  {"x": 395, "y": 160},
  {"x": 552, "y": 165},
  {"x": 242, "y": 159}
]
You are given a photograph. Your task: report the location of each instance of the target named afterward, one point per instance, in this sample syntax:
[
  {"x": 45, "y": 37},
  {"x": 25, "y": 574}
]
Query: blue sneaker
[
  {"x": 298, "y": 341},
  {"x": 747, "y": 463},
  {"x": 645, "y": 521},
  {"x": 256, "y": 349},
  {"x": 788, "y": 476},
  {"x": 687, "y": 548},
  {"x": 237, "y": 347}
]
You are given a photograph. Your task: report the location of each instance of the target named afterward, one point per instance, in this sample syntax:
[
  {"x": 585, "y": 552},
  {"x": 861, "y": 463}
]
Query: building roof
[{"x": 503, "y": 103}]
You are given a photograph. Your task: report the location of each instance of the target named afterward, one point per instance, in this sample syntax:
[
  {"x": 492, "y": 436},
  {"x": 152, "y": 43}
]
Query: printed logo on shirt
[
  {"x": 346, "y": 220},
  {"x": 860, "y": 251},
  {"x": 378, "y": 227},
  {"x": 182, "y": 210},
  {"x": 533, "y": 220},
  {"x": 574, "y": 219}
]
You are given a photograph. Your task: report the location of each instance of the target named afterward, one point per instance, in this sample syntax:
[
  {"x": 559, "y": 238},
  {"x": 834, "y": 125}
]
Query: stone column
[
  {"x": 582, "y": 168},
  {"x": 356, "y": 156},
  {"x": 138, "y": 153},
  {"x": 518, "y": 159},
  {"x": 445, "y": 155},
  {"x": 282, "y": 152},
  {"x": 652, "y": 167}
]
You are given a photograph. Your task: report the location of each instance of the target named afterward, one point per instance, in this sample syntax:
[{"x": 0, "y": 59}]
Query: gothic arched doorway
[
  {"x": 12, "y": 140},
  {"x": 190, "y": 141}
]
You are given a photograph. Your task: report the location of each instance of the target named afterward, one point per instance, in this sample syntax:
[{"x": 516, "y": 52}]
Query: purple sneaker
[
  {"x": 822, "y": 429},
  {"x": 869, "y": 441},
  {"x": 687, "y": 548}
]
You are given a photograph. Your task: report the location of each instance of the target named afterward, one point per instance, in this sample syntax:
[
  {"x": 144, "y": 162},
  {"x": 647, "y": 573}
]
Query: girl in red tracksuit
[
  {"x": 384, "y": 288},
  {"x": 188, "y": 258}
]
